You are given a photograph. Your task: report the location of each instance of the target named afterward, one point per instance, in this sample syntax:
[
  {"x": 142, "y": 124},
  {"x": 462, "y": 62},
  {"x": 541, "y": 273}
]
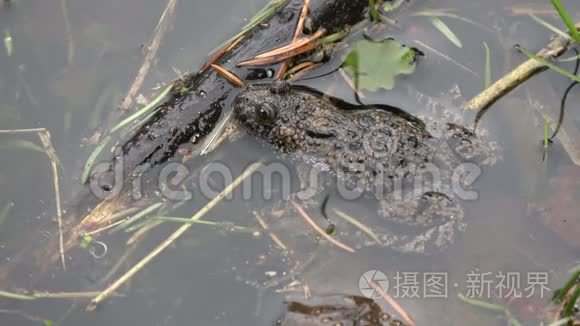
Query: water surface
[{"x": 209, "y": 277}]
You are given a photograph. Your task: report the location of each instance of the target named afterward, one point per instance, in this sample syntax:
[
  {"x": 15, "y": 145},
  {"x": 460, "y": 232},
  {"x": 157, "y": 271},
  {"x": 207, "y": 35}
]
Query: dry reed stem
[
  {"x": 319, "y": 230},
  {"x": 160, "y": 31},
  {"x": 174, "y": 236}
]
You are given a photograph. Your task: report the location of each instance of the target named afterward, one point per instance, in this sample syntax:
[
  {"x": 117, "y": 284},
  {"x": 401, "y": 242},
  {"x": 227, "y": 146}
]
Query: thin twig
[
  {"x": 118, "y": 217},
  {"x": 294, "y": 45},
  {"x": 446, "y": 57},
  {"x": 359, "y": 225},
  {"x": 279, "y": 57},
  {"x": 319, "y": 230},
  {"x": 231, "y": 77},
  {"x": 174, "y": 236},
  {"x": 160, "y": 30},
  {"x": 22, "y": 131},
  {"x": 272, "y": 8},
  {"x": 47, "y": 295},
  {"x": 271, "y": 234},
  {"x": 24, "y": 315},
  {"x": 562, "y": 306},
  {"x": 44, "y": 135},
  {"x": 214, "y": 58},
  {"x": 223, "y": 225},
  {"x": 140, "y": 234},
  {"x": 220, "y": 133},
  {"x": 529, "y": 9},
  {"x": 519, "y": 75},
  {"x": 303, "y": 15},
  {"x": 391, "y": 302},
  {"x": 68, "y": 32},
  {"x": 350, "y": 83},
  {"x": 297, "y": 68},
  {"x": 297, "y": 33},
  {"x": 304, "y": 71},
  {"x": 106, "y": 227},
  {"x": 54, "y": 162}
]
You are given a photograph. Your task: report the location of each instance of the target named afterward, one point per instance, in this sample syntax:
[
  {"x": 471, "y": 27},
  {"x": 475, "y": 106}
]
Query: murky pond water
[{"x": 66, "y": 66}]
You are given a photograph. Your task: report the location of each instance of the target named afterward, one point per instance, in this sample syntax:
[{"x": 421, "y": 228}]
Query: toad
[{"x": 380, "y": 150}]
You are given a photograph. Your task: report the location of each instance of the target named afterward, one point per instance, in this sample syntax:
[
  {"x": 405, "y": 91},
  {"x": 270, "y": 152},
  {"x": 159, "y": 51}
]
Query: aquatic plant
[{"x": 567, "y": 19}]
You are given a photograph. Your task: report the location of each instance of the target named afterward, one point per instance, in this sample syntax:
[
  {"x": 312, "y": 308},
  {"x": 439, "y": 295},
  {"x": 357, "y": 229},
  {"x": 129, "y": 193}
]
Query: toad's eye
[{"x": 266, "y": 113}]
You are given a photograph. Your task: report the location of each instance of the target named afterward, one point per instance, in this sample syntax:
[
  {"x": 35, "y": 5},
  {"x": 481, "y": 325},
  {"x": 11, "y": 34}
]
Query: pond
[{"x": 66, "y": 69}]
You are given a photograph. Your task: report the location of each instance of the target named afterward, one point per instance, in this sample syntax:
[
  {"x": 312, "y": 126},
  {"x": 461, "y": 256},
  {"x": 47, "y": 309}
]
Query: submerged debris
[{"x": 335, "y": 310}]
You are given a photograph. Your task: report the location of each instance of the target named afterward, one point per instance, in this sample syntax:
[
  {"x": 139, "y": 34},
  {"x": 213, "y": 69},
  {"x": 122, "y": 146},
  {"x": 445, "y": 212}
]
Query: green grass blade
[
  {"x": 92, "y": 158},
  {"x": 225, "y": 225},
  {"x": 268, "y": 11},
  {"x": 567, "y": 19},
  {"x": 547, "y": 63},
  {"x": 572, "y": 58},
  {"x": 21, "y": 144},
  {"x": 562, "y": 322},
  {"x": 389, "y": 6},
  {"x": 374, "y": 12},
  {"x": 359, "y": 225},
  {"x": 333, "y": 38},
  {"x": 481, "y": 304},
  {"x": 136, "y": 217},
  {"x": 8, "y": 43},
  {"x": 487, "y": 65},
  {"x": 443, "y": 28},
  {"x": 546, "y": 134},
  {"x": 566, "y": 288},
  {"x": 4, "y": 212},
  {"x": 491, "y": 307},
  {"x": 208, "y": 145},
  {"x": 15, "y": 296},
  {"x": 448, "y": 13},
  {"x": 144, "y": 110},
  {"x": 570, "y": 306},
  {"x": 272, "y": 8}
]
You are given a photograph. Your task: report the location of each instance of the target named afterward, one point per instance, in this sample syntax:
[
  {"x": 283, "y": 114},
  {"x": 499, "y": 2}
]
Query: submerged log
[{"x": 190, "y": 112}]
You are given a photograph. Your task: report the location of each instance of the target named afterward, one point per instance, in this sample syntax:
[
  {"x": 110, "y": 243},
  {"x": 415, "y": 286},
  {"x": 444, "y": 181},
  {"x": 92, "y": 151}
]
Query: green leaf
[
  {"x": 373, "y": 65},
  {"x": 445, "y": 30}
]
